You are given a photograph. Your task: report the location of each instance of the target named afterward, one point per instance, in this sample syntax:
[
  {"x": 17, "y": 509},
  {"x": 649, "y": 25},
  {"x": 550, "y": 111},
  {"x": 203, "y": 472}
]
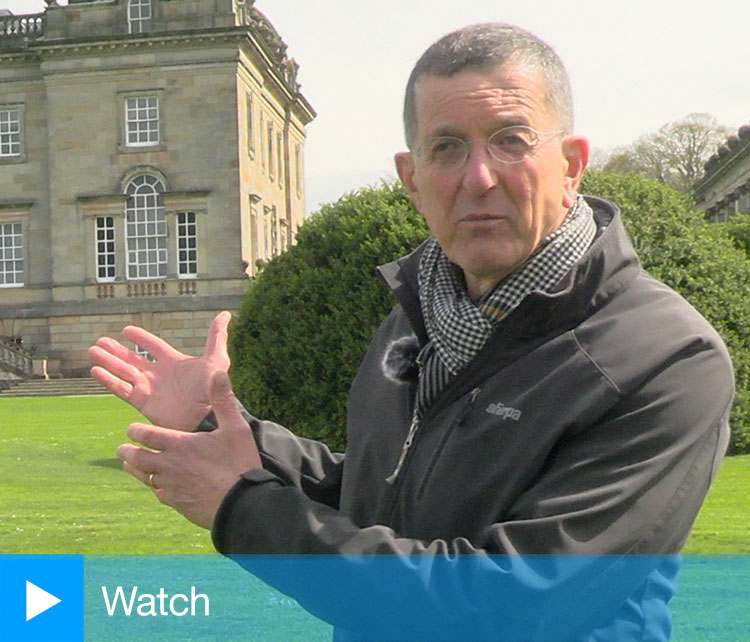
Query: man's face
[{"x": 489, "y": 217}]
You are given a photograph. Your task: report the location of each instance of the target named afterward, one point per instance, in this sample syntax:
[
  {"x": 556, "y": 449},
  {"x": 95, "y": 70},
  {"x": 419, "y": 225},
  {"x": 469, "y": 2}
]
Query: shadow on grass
[{"x": 109, "y": 462}]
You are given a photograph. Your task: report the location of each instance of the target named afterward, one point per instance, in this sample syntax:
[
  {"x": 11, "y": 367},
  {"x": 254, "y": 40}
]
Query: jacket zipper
[
  {"x": 457, "y": 423},
  {"x": 414, "y": 427}
]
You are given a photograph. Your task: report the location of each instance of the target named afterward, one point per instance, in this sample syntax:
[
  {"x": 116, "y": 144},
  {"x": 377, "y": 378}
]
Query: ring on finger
[{"x": 151, "y": 481}]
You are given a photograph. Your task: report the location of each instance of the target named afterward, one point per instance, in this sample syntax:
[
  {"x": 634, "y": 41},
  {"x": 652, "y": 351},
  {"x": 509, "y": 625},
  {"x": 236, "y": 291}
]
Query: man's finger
[
  {"x": 216, "y": 341},
  {"x": 114, "y": 384},
  {"x": 156, "y": 347},
  {"x": 115, "y": 350},
  {"x": 141, "y": 459},
  {"x": 152, "y": 436},
  {"x": 223, "y": 401},
  {"x": 114, "y": 363}
]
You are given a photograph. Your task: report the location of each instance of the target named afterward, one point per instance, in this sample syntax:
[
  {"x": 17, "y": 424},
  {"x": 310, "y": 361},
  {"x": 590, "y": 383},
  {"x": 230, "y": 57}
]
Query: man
[{"x": 563, "y": 409}]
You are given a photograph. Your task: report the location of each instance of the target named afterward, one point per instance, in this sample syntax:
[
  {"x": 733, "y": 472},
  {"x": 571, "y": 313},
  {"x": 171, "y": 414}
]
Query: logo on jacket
[{"x": 506, "y": 412}]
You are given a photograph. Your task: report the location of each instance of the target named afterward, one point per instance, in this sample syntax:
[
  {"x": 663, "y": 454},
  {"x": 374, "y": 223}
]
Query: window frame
[
  {"x": 148, "y": 120},
  {"x": 13, "y": 259},
  {"x": 18, "y": 156},
  {"x": 250, "y": 123},
  {"x": 191, "y": 253},
  {"x": 161, "y": 245},
  {"x": 144, "y": 22},
  {"x": 109, "y": 252},
  {"x": 269, "y": 142}
]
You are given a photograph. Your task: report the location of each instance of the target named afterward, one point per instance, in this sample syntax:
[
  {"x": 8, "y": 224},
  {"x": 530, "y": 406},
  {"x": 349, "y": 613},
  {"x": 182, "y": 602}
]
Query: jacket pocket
[{"x": 457, "y": 423}]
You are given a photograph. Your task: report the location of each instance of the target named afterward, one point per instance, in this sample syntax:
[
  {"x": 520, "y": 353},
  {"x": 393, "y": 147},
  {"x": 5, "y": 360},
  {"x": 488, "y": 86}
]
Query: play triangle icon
[{"x": 38, "y": 600}]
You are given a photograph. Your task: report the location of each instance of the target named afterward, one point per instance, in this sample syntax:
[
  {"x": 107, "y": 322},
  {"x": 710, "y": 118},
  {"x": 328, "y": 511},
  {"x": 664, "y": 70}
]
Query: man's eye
[
  {"x": 444, "y": 147},
  {"x": 510, "y": 140}
]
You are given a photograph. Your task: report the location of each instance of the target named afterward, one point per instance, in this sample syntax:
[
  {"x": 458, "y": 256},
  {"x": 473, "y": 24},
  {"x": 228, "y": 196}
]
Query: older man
[{"x": 533, "y": 392}]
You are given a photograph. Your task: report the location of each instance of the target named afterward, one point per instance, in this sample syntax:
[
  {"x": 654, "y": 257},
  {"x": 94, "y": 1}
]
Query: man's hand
[
  {"x": 170, "y": 391},
  {"x": 193, "y": 472}
]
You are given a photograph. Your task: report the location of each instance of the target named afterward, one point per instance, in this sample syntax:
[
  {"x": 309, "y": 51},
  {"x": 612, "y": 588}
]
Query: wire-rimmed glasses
[{"x": 507, "y": 145}]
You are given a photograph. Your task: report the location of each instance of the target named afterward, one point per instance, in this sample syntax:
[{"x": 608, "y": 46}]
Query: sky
[{"x": 634, "y": 65}]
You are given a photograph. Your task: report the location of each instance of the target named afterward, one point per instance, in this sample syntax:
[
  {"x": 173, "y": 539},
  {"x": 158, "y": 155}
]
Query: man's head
[
  {"x": 486, "y": 46},
  {"x": 498, "y": 195}
]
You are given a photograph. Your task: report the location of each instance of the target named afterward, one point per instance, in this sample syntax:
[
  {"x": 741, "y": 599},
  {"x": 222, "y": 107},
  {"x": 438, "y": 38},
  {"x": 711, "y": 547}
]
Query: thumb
[
  {"x": 216, "y": 340},
  {"x": 224, "y": 403}
]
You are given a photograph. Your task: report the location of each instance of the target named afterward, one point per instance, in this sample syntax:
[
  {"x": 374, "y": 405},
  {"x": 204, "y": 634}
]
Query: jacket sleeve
[
  {"x": 306, "y": 465},
  {"x": 616, "y": 499}
]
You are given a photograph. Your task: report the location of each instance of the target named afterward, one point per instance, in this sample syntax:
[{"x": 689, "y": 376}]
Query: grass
[
  {"x": 63, "y": 490},
  {"x": 723, "y": 525}
]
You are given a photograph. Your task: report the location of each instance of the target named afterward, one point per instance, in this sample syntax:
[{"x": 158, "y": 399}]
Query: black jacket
[{"x": 592, "y": 423}]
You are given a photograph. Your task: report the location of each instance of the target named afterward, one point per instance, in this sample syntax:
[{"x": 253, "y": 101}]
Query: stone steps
[{"x": 55, "y": 388}]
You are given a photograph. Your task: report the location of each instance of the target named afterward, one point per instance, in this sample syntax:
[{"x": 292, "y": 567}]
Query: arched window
[
  {"x": 139, "y": 16},
  {"x": 146, "y": 228}
]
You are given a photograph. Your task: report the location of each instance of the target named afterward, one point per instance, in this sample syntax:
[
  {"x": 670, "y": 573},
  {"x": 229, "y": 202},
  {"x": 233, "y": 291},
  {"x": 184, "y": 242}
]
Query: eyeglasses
[{"x": 507, "y": 145}]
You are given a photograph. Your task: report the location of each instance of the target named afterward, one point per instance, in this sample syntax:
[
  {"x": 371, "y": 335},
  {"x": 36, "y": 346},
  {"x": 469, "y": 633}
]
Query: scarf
[{"x": 458, "y": 327}]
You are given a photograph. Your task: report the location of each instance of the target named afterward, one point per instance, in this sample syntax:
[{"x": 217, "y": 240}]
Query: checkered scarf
[{"x": 457, "y": 327}]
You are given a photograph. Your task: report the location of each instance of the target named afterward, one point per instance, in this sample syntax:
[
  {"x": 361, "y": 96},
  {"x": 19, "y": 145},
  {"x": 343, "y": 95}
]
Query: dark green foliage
[
  {"x": 738, "y": 229},
  {"x": 698, "y": 259},
  {"x": 309, "y": 316}
]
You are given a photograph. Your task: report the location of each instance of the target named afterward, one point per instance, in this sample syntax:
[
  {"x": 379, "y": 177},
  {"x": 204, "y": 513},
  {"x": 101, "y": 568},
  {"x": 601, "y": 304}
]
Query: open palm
[{"x": 173, "y": 389}]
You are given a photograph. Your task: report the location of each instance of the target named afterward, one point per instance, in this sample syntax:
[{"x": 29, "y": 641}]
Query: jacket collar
[{"x": 605, "y": 269}]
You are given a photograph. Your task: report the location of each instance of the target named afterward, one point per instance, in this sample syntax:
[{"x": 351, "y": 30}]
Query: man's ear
[
  {"x": 576, "y": 152},
  {"x": 405, "y": 168}
]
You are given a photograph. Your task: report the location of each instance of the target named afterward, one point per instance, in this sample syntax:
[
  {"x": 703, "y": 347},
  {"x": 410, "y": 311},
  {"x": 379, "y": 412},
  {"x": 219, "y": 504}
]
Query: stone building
[
  {"x": 724, "y": 189},
  {"x": 151, "y": 152}
]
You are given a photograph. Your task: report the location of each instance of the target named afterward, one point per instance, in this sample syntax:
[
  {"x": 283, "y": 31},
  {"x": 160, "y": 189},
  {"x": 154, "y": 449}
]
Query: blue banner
[{"x": 102, "y": 598}]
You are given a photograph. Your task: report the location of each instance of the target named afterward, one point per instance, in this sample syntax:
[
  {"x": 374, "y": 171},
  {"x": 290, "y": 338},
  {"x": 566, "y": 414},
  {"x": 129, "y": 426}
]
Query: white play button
[{"x": 38, "y": 600}]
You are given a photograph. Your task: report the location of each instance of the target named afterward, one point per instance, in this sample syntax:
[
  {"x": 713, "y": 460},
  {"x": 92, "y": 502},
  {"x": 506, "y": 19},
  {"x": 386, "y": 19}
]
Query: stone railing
[
  {"x": 27, "y": 27},
  {"x": 16, "y": 359},
  {"x": 141, "y": 289}
]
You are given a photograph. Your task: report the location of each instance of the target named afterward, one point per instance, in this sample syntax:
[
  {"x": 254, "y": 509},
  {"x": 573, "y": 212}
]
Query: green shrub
[
  {"x": 698, "y": 259},
  {"x": 311, "y": 313}
]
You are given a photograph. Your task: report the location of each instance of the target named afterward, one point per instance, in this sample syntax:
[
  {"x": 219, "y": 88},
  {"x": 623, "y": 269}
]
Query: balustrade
[
  {"x": 27, "y": 27},
  {"x": 15, "y": 359}
]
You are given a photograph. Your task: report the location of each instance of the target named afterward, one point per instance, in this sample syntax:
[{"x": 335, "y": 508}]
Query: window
[
  {"x": 105, "y": 248},
  {"x": 279, "y": 148},
  {"x": 187, "y": 245},
  {"x": 146, "y": 228},
  {"x": 298, "y": 169},
  {"x": 139, "y": 16},
  {"x": 274, "y": 232},
  {"x": 10, "y": 132},
  {"x": 271, "y": 172},
  {"x": 142, "y": 121},
  {"x": 262, "y": 146},
  {"x": 250, "y": 126},
  {"x": 11, "y": 254}
]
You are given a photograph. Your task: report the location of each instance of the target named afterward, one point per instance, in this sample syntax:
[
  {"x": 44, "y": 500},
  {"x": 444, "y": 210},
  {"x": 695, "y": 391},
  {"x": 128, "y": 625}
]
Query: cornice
[{"x": 742, "y": 153}]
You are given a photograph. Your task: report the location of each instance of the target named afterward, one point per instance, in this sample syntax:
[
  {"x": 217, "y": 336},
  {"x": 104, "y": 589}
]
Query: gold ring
[{"x": 151, "y": 481}]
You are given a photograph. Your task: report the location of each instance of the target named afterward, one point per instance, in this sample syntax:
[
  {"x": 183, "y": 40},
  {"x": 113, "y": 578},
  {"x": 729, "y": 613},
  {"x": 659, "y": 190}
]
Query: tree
[
  {"x": 675, "y": 155},
  {"x": 311, "y": 312}
]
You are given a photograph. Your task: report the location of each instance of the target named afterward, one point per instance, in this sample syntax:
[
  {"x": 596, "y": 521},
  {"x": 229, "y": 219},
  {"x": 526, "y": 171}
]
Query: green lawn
[{"x": 62, "y": 488}]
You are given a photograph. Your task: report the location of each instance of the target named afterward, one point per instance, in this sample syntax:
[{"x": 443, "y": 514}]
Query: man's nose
[{"x": 480, "y": 169}]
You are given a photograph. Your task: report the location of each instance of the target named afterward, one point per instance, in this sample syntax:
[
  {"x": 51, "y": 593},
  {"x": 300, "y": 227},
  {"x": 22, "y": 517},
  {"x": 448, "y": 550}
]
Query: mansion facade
[
  {"x": 151, "y": 153},
  {"x": 724, "y": 189}
]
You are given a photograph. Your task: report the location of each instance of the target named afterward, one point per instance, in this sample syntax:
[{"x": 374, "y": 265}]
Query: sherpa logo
[{"x": 504, "y": 411}]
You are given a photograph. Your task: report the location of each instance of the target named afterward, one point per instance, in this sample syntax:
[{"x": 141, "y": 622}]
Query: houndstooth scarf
[{"x": 457, "y": 327}]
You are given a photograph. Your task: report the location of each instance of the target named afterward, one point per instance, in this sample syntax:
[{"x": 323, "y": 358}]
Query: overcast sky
[{"x": 634, "y": 65}]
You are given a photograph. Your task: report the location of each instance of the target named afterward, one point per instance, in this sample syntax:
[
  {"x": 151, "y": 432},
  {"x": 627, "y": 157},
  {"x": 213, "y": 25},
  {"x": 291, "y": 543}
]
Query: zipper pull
[
  {"x": 468, "y": 405},
  {"x": 391, "y": 479}
]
